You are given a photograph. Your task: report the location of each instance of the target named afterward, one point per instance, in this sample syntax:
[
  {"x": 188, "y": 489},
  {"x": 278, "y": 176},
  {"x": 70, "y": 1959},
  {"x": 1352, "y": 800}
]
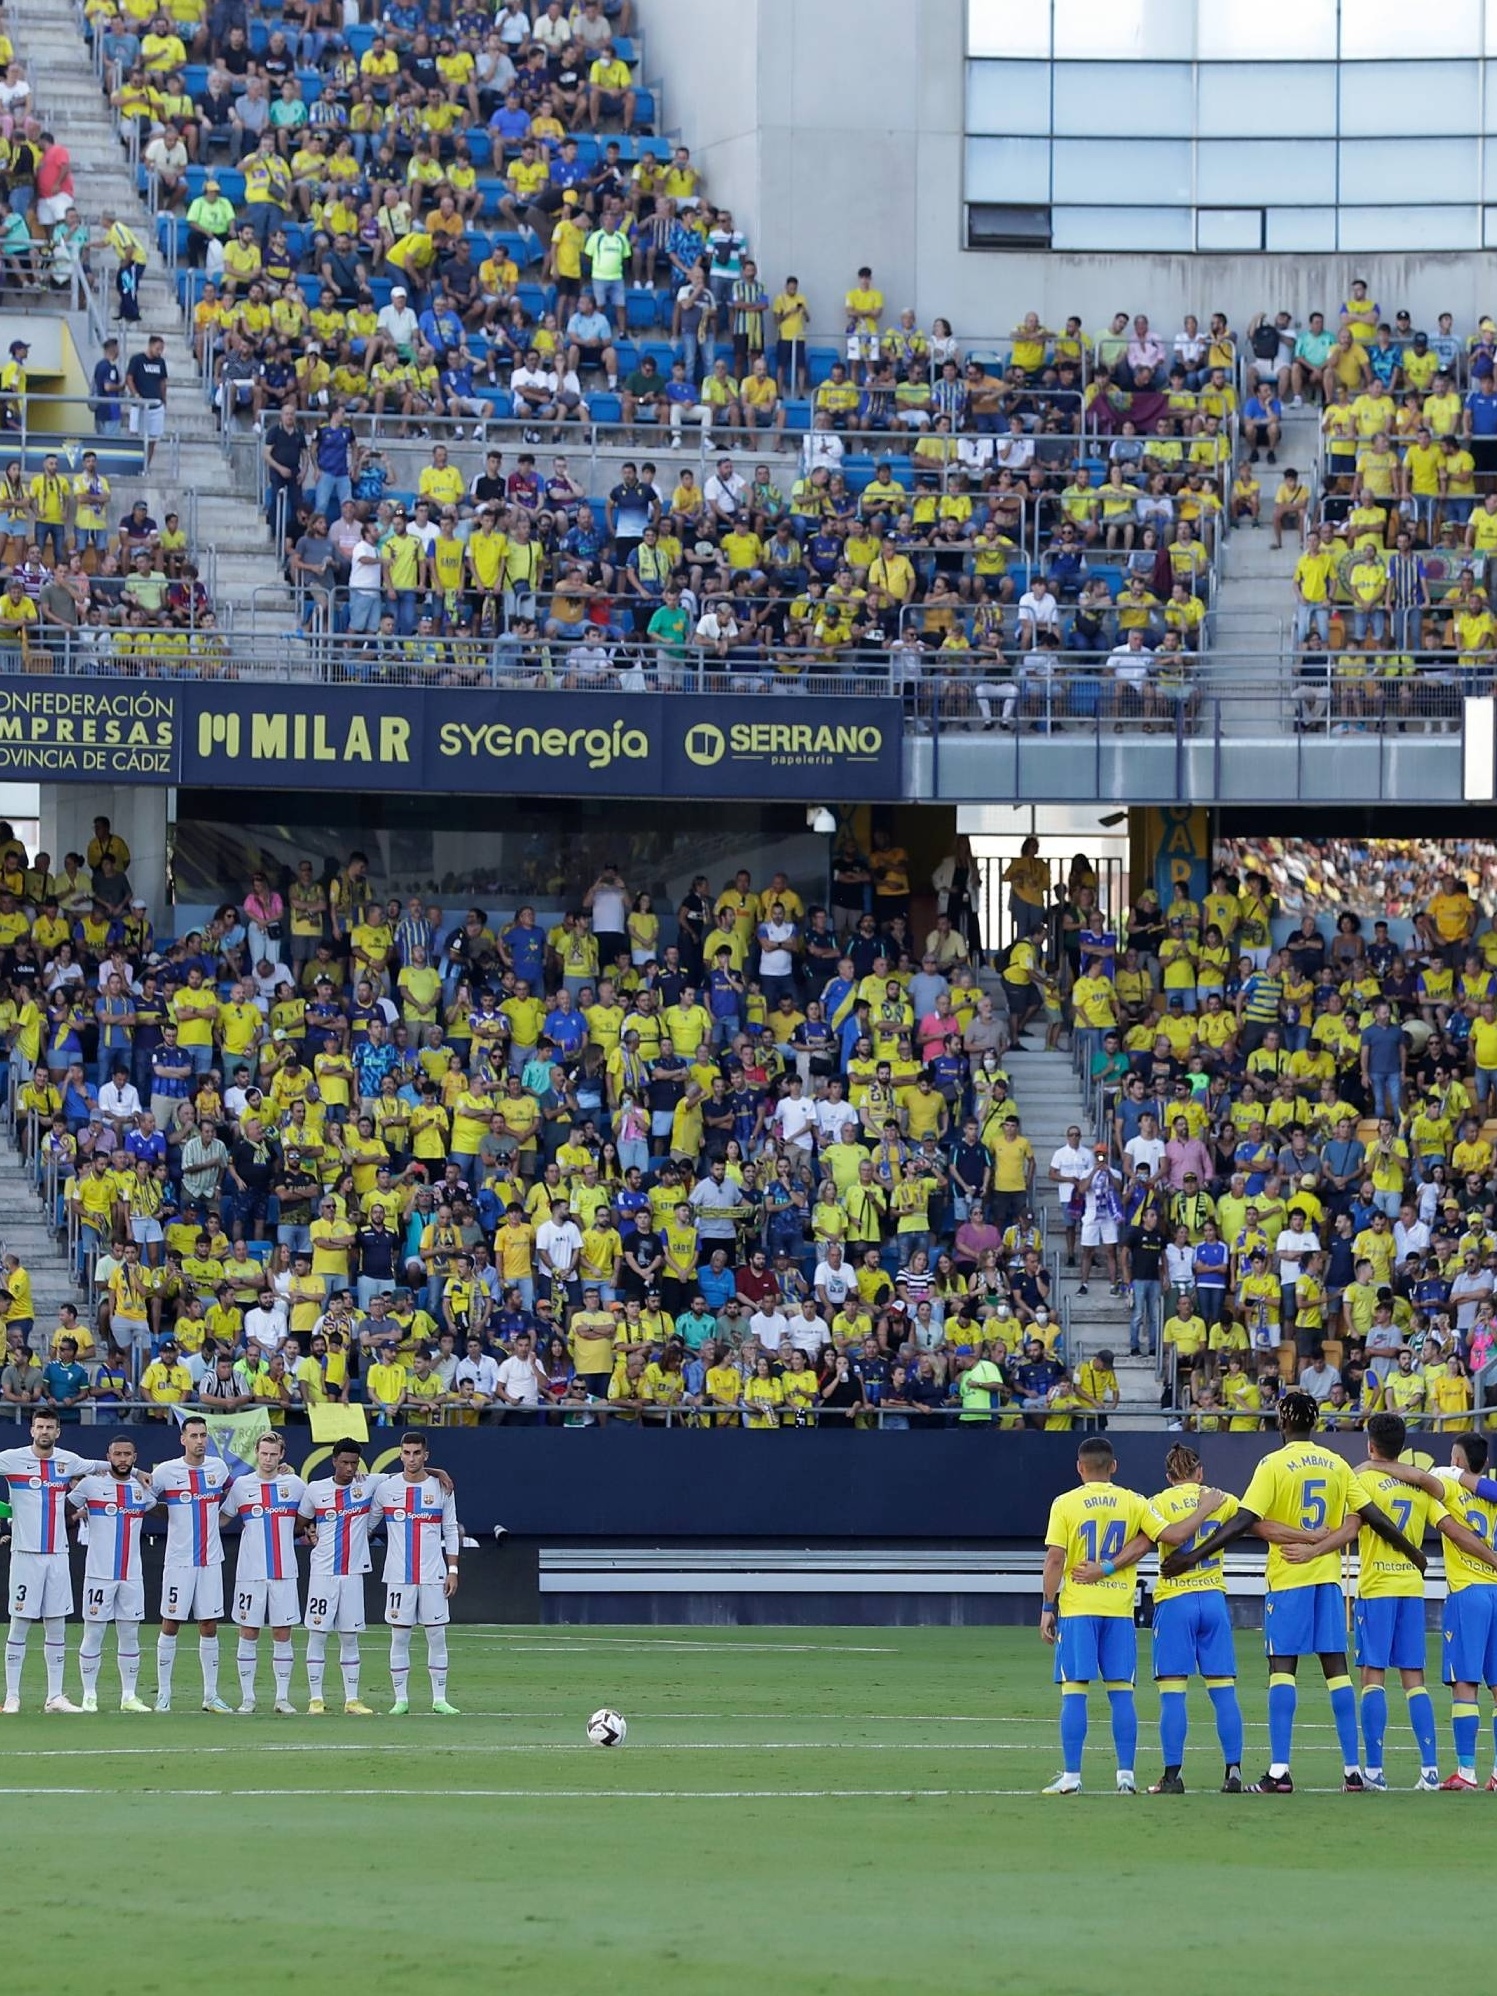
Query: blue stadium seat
[{"x": 642, "y": 309}]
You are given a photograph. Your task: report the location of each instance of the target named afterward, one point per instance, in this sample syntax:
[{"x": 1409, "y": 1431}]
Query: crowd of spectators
[
  {"x": 1300, "y": 1148},
  {"x": 747, "y": 1160}
]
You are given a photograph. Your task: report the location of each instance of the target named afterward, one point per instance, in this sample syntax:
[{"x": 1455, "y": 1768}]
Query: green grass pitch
[{"x": 795, "y": 1810}]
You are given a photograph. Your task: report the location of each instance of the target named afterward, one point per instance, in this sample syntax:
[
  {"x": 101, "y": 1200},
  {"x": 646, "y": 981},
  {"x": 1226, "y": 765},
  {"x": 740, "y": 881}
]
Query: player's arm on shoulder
[
  {"x": 1376, "y": 1519},
  {"x": 1407, "y": 1472},
  {"x": 1185, "y": 1528},
  {"x": 1484, "y": 1487},
  {"x": 1460, "y": 1535},
  {"x": 1181, "y": 1561},
  {"x": 1091, "y": 1570}
]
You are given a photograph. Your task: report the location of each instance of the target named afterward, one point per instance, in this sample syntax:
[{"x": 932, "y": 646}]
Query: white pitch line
[
  {"x": 603, "y": 1794},
  {"x": 522, "y": 1640}
]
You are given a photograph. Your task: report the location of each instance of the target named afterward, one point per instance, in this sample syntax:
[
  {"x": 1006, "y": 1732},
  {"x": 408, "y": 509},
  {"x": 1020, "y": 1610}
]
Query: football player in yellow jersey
[
  {"x": 1390, "y": 1594},
  {"x": 1192, "y": 1626},
  {"x": 1308, "y": 1488},
  {"x": 1091, "y": 1621}
]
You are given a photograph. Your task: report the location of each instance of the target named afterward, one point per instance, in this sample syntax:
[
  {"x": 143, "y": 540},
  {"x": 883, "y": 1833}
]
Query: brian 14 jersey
[
  {"x": 114, "y": 1508},
  {"x": 421, "y": 1528},
  {"x": 266, "y": 1509},
  {"x": 38, "y": 1495},
  {"x": 343, "y": 1512},
  {"x": 192, "y": 1498}
]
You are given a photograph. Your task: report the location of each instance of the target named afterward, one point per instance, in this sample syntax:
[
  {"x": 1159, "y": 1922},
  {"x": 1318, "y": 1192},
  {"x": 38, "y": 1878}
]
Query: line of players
[
  {"x": 1308, "y": 1503},
  {"x": 415, "y": 1507}
]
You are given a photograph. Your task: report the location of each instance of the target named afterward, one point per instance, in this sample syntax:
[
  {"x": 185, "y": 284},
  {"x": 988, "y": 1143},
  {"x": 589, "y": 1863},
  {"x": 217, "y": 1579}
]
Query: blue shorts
[
  {"x": 1470, "y": 1645},
  {"x": 1390, "y": 1632},
  {"x": 1194, "y": 1632},
  {"x": 1093, "y": 1647},
  {"x": 1304, "y": 1621}
]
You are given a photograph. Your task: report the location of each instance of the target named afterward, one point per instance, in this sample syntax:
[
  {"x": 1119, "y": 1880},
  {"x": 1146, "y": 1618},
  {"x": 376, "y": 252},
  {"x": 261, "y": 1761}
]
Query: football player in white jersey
[
  {"x": 41, "y": 1586},
  {"x": 113, "y": 1506},
  {"x": 422, "y": 1541},
  {"x": 265, "y": 1505},
  {"x": 192, "y": 1582},
  {"x": 339, "y": 1506}
]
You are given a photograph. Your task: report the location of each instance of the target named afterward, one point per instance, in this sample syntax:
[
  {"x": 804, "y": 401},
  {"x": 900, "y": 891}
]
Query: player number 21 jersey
[{"x": 266, "y": 1510}]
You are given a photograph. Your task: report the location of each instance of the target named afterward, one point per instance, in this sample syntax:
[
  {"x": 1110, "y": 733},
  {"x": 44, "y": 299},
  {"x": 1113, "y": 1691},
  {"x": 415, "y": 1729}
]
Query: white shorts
[
  {"x": 147, "y": 419},
  {"x": 41, "y": 1586},
  {"x": 266, "y": 1604},
  {"x": 416, "y": 1607},
  {"x": 336, "y": 1602},
  {"x": 130, "y": 1333},
  {"x": 113, "y": 1600},
  {"x": 192, "y": 1594},
  {"x": 1099, "y": 1233}
]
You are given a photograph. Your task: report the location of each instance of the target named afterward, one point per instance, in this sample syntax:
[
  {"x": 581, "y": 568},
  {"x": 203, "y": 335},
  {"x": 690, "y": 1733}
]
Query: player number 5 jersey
[
  {"x": 421, "y": 1529},
  {"x": 192, "y": 1498}
]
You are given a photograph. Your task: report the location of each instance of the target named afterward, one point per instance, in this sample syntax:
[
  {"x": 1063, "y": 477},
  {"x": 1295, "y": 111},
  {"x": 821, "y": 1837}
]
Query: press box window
[{"x": 991, "y": 225}]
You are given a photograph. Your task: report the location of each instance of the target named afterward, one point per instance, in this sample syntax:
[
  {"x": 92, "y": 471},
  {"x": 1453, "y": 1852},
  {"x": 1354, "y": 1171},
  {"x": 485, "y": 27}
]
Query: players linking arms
[{"x": 1289, "y": 1536}]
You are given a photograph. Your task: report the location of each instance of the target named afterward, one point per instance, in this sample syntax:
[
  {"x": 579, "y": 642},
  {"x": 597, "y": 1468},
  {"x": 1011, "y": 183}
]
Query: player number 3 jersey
[{"x": 38, "y": 1496}]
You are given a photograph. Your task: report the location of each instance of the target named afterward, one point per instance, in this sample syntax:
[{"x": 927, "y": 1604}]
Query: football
[{"x": 607, "y": 1728}]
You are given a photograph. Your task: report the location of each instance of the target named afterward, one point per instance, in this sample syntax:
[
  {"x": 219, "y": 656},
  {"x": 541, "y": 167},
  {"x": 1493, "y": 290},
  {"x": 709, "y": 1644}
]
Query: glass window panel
[
  {"x": 1404, "y": 97},
  {"x": 1489, "y": 224},
  {"x": 1490, "y": 41},
  {"x": 1229, "y": 229},
  {"x": 1248, "y": 98},
  {"x": 1489, "y": 119},
  {"x": 1008, "y": 97},
  {"x": 1230, "y": 171},
  {"x": 1382, "y": 28},
  {"x": 1373, "y": 229},
  {"x": 1008, "y": 170},
  {"x": 1385, "y": 169},
  {"x": 1121, "y": 229},
  {"x": 1489, "y": 172},
  {"x": 1122, "y": 170},
  {"x": 1127, "y": 29},
  {"x": 1090, "y": 98},
  {"x": 1008, "y": 27},
  {"x": 1237, "y": 30},
  {"x": 1299, "y": 229}
]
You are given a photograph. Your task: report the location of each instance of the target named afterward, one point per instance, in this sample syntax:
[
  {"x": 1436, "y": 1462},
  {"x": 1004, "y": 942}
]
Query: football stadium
[{"x": 728, "y": 718}]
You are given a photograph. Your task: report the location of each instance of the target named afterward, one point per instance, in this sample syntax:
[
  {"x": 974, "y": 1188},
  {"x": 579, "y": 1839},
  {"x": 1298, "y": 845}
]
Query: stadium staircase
[
  {"x": 24, "y": 1231},
  {"x": 228, "y": 518},
  {"x": 1050, "y": 1100},
  {"x": 1254, "y": 608}
]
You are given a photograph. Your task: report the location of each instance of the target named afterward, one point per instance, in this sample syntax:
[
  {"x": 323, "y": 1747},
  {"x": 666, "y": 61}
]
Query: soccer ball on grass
[{"x": 607, "y": 1728}]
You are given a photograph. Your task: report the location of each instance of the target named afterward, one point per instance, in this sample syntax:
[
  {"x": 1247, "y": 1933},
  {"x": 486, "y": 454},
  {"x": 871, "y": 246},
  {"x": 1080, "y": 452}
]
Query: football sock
[
  {"x": 55, "y": 1650},
  {"x": 1422, "y": 1719},
  {"x": 208, "y": 1659},
  {"x": 1374, "y": 1722},
  {"x": 1072, "y": 1726},
  {"x": 436, "y": 1661},
  {"x": 1172, "y": 1723},
  {"x": 15, "y": 1656},
  {"x": 1465, "y": 1723},
  {"x": 1344, "y": 1712},
  {"x": 316, "y": 1662},
  {"x": 1282, "y": 1699},
  {"x": 127, "y": 1656},
  {"x": 1228, "y": 1720},
  {"x": 246, "y": 1657},
  {"x": 400, "y": 1660},
  {"x": 166, "y": 1656},
  {"x": 281, "y": 1659},
  {"x": 348, "y": 1663},
  {"x": 91, "y": 1655},
  {"x": 1124, "y": 1724}
]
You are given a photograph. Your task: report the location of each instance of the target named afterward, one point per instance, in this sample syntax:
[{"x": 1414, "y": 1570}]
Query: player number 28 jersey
[{"x": 342, "y": 1515}]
